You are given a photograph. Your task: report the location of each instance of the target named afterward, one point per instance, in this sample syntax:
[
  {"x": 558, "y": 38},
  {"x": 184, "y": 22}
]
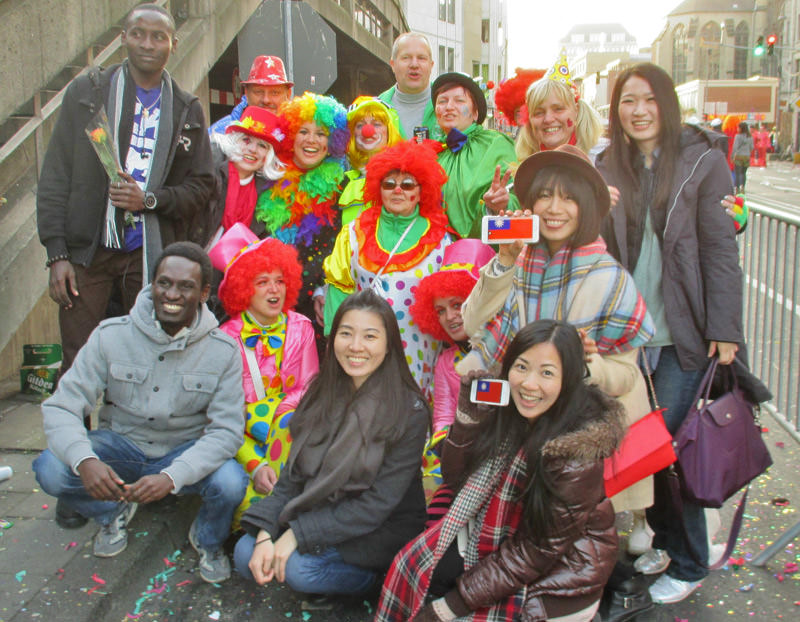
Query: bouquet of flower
[{"x": 99, "y": 134}]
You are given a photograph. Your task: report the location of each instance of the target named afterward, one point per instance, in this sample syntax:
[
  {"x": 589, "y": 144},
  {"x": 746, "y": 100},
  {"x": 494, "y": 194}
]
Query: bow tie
[
  {"x": 456, "y": 140},
  {"x": 271, "y": 336}
]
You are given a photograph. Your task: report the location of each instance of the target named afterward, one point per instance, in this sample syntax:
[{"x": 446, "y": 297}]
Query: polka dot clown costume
[
  {"x": 279, "y": 357},
  {"x": 392, "y": 252}
]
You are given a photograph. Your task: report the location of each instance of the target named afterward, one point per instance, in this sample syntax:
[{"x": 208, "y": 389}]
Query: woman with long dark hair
[
  {"x": 530, "y": 533},
  {"x": 350, "y": 495},
  {"x": 741, "y": 152},
  {"x": 670, "y": 233}
]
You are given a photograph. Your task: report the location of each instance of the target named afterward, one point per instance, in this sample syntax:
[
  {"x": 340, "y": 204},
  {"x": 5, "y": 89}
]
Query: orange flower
[{"x": 98, "y": 135}]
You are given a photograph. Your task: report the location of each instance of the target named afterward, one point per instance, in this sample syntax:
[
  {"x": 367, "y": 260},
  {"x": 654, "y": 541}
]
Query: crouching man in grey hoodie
[{"x": 172, "y": 414}]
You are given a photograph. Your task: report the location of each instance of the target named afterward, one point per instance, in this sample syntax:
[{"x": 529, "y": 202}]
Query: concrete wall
[
  {"x": 39, "y": 36},
  {"x": 26, "y": 313}
]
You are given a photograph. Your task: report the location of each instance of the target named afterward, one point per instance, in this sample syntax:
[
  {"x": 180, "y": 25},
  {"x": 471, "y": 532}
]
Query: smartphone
[
  {"x": 421, "y": 132},
  {"x": 490, "y": 391},
  {"x": 508, "y": 229}
]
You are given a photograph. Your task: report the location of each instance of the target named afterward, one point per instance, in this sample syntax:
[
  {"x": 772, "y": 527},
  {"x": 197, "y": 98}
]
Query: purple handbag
[{"x": 719, "y": 444}]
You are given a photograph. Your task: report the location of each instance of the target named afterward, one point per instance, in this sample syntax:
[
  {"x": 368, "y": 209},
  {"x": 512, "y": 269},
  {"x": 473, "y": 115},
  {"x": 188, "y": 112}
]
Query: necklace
[{"x": 146, "y": 109}]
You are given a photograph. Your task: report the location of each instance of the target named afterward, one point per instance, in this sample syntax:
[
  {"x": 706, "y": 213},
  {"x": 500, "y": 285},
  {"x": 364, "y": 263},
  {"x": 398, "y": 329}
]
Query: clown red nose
[{"x": 368, "y": 130}]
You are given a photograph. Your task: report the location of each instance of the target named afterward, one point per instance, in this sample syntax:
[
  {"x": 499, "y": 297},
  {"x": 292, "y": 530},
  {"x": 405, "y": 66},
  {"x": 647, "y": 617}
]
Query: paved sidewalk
[{"x": 47, "y": 573}]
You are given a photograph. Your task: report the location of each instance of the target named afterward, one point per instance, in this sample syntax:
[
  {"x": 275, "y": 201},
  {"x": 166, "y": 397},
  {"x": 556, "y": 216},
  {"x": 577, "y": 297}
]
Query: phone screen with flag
[
  {"x": 507, "y": 229},
  {"x": 489, "y": 391}
]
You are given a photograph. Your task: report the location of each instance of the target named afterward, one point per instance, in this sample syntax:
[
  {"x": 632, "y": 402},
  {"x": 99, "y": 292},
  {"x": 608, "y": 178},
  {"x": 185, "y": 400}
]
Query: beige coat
[{"x": 618, "y": 375}]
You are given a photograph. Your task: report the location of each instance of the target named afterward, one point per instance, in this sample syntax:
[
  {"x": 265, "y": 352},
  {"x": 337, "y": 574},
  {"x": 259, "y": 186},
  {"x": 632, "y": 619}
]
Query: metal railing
[{"x": 772, "y": 307}]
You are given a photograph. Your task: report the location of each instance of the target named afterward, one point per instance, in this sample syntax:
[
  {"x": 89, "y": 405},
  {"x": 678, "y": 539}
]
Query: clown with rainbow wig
[{"x": 300, "y": 209}]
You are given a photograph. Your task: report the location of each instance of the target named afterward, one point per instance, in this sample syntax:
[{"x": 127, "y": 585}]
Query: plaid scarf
[
  {"x": 491, "y": 495},
  {"x": 584, "y": 286}
]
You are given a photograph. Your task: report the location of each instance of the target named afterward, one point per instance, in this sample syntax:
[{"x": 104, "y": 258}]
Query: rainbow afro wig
[{"x": 326, "y": 112}]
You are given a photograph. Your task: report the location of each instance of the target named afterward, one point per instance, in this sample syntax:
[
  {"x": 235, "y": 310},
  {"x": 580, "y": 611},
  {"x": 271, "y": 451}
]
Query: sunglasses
[{"x": 407, "y": 184}]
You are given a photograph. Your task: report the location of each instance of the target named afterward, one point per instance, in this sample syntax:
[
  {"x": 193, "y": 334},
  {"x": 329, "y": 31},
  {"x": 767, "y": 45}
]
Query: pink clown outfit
[{"x": 283, "y": 359}]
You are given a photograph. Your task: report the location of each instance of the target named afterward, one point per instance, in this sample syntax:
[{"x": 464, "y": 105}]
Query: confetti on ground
[
  {"x": 21, "y": 575},
  {"x": 97, "y": 579},
  {"x": 5, "y": 523},
  {"x": 156, "y": 585},
  {"x": 790, "y": 568},
  {"x": 214, "y": 615},
  {"x": 70, "y": 546},
  {"x": 306, "y": 616},
  {"x": 779, "y": 444},
  {"x": 182, "y": 583},
  {"x": 141, "y": 534},
  {"x": 746, "y": 588},
  {"x": 45, "y": 506},
  {"x": 781, "y": 501}
]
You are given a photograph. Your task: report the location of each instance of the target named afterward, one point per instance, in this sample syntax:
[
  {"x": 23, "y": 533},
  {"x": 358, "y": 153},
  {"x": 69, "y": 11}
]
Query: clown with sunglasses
[{"x": 394, "y": 243}]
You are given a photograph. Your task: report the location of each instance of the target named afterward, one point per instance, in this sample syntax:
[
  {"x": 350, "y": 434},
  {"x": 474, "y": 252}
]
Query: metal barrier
[{"x": 772, "y": 307}]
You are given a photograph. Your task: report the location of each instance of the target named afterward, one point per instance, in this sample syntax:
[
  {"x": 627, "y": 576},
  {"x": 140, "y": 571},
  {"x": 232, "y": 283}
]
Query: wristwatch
[{"x": 150, "y": 201}]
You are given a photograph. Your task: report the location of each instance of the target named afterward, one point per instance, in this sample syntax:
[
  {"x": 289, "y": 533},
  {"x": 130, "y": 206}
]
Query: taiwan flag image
[
  {"x": 489, "y": 391},
  {"x": 501, "y": 229}
]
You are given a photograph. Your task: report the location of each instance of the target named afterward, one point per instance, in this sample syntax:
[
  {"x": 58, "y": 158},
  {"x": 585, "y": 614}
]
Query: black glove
[{"x": 476, "y": 412}]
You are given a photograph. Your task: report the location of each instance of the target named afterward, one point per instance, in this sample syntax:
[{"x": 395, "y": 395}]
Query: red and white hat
[{"x": 268, "y": 71}]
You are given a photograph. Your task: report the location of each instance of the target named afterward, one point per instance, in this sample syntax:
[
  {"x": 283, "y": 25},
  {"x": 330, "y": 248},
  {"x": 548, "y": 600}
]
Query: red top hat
[{"x": 268, "y": 71}]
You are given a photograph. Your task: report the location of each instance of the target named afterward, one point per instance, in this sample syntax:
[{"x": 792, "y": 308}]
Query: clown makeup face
[
  {"x": 553, "y": 121},
  {"x": 310, "y": 145},
  {"x": 455, "y": 109},
  {"x": 448, "y": 310},
  {"x": 269, "y": 295},
  {"x": 371, "y": 135},
  {"x": 399, "y": 193},
  {"x": 254, "y": 153}
]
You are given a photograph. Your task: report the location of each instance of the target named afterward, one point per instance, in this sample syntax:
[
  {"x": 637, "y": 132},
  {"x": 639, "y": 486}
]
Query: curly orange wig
[
  {"x": 442, "y": 284},
  {"x": 416, "y": 159},
  {"x": 510, "y": 95},
  {"x": 237, "y": 290}
]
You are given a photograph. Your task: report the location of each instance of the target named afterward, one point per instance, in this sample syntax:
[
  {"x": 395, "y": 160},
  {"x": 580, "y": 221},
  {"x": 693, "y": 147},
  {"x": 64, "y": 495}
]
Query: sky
[{"x": 536, "y": 26}]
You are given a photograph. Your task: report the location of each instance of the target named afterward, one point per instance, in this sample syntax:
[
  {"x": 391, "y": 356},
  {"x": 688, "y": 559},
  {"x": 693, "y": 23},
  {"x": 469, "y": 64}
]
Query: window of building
[
  {"x": 476, "y": 69},
  {"x": 679, "y": 54},
  {"x": 451, "y": 59},
  {"x": 710, "y": 39},
  {"x": 741, "y": 53},
  {"x": 447, "y": 11},
  {"x": 442, "y": 58},
  {"x": 485, "y": 31},
  {"x": 618, "y": 37},
  {"x": 597, "y": 37},
  {"x": 369, "y": 17}
]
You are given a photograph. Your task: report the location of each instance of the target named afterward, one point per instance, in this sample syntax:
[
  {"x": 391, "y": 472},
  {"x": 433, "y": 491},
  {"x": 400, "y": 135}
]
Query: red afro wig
[
  {"x": 510, "y": 95},
  {"x": 237, "y": 289},
  {"x": 442, "y": 284},
  {"x": 416, "y": 159}
]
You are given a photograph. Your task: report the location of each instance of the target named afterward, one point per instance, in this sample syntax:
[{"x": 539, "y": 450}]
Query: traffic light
[
  {"x": 758, "y": 50},
  {"x": 771, "y": 41}
]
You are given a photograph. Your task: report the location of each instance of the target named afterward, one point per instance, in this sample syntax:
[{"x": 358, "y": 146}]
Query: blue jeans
[
  {"x": 222, "y": 490},
  {"x": 326, "y": 573},
  {"x": 675, "y": 389}
]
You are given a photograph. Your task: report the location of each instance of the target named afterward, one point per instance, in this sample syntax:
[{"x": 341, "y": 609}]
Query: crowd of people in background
[{"x": 307, "y": 306}]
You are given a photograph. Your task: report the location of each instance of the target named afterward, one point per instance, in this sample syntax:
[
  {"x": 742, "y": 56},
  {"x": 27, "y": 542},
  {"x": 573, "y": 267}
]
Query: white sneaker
[
  {"x": 715, "y": 553},
  {"x": 640, "y": 539},
  {"x": 654, "y": 561},
  {"x": 669, "y": 590}
]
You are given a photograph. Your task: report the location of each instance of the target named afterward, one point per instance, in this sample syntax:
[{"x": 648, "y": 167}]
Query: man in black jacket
[{"x": 101, "y": 234}]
